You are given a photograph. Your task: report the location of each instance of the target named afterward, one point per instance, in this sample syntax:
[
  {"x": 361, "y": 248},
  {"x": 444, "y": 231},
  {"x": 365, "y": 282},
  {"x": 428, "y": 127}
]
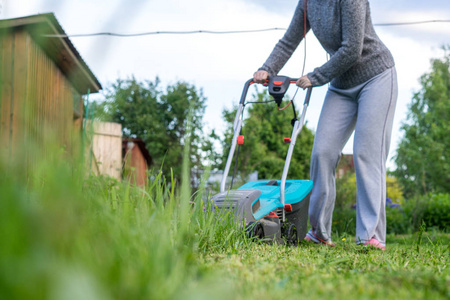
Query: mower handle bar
[{"x": 298, "y": 125}]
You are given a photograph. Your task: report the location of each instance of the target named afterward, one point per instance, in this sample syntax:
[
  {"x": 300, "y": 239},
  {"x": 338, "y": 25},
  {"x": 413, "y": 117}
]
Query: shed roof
[{"x": 43, "y": 28}]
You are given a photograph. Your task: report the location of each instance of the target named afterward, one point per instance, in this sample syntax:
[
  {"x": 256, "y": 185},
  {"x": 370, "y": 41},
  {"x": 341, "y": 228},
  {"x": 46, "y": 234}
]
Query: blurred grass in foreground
[{"x": 66, "y": 237}]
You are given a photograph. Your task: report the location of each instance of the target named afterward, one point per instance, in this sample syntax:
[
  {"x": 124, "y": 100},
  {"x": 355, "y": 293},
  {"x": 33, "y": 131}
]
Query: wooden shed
[
  {"x": 42, "y": 81},
  {"x": 136, "y": 160},
  {"x": 106, "y": 149}
]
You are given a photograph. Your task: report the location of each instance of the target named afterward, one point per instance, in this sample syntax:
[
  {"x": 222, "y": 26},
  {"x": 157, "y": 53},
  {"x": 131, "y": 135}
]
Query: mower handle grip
[{"x": 291, "y": 81}]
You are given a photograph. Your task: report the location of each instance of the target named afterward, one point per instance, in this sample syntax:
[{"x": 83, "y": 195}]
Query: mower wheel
[
  {"x": 289, "y": 233},
  {"x": 255, "y": 231}
]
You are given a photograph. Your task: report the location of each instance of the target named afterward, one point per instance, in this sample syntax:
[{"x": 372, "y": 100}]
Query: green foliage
[
  {"x": 394, "y": 190},
  {"x": 264, "y": 150},
  {"x": 422, "y": 159},
  {"x": 344, "y": 216},
  {"x": 437, "y": 212},
  {"x": 399, "y": 220},
  {"x": 344, "y": 221},
  {"x": 160, "y": 119},
  {"x": 346, "y": 191},
  {"x": 432, "y": 209}
]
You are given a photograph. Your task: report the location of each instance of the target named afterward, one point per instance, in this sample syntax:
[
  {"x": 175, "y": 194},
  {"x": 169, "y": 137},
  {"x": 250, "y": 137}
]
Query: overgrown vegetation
[{"x": 67, "y": 238}]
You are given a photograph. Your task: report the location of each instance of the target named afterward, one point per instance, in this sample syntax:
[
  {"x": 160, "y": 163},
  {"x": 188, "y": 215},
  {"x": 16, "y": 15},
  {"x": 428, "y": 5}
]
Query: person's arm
[
  {"x": 353, "y": 19},
  {"x": 289, "y": 42}
]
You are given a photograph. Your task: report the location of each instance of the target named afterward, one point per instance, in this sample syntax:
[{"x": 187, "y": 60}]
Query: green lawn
[{"x": 344, "y": 272}]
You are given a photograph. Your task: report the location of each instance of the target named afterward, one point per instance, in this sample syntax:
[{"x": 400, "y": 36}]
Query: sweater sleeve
[
  {"x": 353, "y": 15},
  {"x": 288, "y": 43}
]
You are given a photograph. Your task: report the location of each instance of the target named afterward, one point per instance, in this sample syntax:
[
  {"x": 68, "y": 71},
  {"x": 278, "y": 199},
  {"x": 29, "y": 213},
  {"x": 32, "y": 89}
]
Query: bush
[
  {"x": 437, "y": 212},
  {"x": 433, "y": 209},
  {"x": 344, "y": 221},
  {"x": 397, "y": 220},
  {"x": 345, "y": 191},
  {"x": 344, "y": 214},
  {"x": 394, "y": 190}
]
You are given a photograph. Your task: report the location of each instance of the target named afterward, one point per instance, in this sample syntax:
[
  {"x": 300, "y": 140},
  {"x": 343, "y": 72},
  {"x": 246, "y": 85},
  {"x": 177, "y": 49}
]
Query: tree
[
  {"x": 264, "y": 149},
  {"x": 159, "y": 118},
  {"x": 423, "y": 154}
]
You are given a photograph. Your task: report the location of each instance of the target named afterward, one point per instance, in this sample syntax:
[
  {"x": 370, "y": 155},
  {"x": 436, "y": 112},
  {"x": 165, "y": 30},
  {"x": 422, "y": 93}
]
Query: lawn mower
[{"x": 271, "y": 210}]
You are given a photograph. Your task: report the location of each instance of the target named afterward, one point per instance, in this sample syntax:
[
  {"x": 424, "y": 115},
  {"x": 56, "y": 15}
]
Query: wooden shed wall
[
  {"x": 136, "y": 167},
  {"x": 37, "y": 100},
  {"x": 107, "y": 148}
]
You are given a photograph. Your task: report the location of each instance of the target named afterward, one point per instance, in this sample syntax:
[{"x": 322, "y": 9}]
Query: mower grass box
[{"x": 258, "y": 203}]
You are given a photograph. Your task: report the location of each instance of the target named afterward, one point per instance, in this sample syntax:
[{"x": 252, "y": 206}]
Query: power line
[
  {"x": 412, "y": 23},
  {"x": 164, "y": 32},
  {"x": 217, "y": 32}
]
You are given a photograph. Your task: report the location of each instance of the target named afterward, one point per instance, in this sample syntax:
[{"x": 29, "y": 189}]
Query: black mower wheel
[
  {"x": 289, "y": 233},
  {"x": 255, "y": 231}
]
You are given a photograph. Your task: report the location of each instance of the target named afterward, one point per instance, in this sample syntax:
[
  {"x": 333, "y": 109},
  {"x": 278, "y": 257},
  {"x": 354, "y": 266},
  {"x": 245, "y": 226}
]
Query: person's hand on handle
[
  {"x": 304, "y": 82},
  {"x": 261, "y": 76}
]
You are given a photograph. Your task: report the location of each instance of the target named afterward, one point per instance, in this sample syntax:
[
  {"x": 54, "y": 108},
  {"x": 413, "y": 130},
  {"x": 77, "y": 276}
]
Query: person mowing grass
[{"x": 361, "y": 98}]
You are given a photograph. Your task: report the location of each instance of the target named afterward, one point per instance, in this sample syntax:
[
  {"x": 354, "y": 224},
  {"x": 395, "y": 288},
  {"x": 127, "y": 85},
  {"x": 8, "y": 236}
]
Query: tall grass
[
  {"x": 64, "y": 236},
  {"x": 67, "y": 236}
]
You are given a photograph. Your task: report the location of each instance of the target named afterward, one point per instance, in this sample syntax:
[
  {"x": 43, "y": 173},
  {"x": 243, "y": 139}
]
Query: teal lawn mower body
[
  {"x": 272, "y": 210},
  {"x": 269, "y": 200}
]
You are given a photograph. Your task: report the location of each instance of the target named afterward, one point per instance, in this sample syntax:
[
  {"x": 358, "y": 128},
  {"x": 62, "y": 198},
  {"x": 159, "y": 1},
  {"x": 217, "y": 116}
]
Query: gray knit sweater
[{"x": 344, "y": 29}]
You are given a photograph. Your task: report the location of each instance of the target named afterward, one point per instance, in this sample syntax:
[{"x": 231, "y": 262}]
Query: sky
[{"x": 221, "y": 64}]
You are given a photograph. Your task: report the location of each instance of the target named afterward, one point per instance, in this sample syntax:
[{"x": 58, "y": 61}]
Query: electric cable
[
  {"x": 411, "y": 23},
  {"x": 287, "y": 105},
  {"x": 166, "y": 32},
  {"x": 304, "y": 63},
  {"x": 304, "y": 37},
  {"x": 258, "y": 102}
]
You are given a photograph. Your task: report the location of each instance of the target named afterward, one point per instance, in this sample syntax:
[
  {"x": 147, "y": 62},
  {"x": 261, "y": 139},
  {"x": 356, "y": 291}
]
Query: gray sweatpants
[{"x": 368, "y": 109}]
